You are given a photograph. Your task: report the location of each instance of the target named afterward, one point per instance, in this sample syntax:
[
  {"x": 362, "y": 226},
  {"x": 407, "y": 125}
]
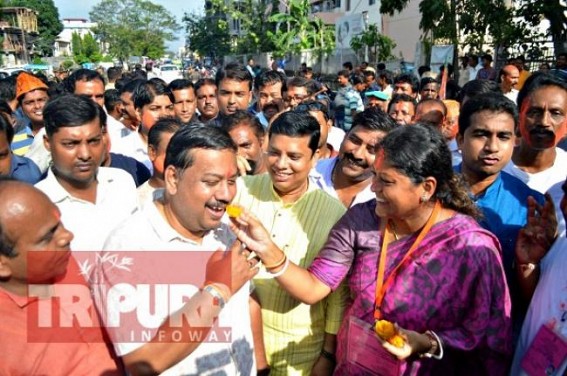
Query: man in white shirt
[
  {"x": 92, "y": 199},
  {"x": 185, "y": 220},
  {"x": 537, "y": 161},
  {"x": 348, "y": 176},
  {"x": 509, "y": 76}
]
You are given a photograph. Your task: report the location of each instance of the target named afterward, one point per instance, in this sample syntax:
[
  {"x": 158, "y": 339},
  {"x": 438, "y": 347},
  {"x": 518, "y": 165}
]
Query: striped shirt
[{"x": 293, "y": 332}]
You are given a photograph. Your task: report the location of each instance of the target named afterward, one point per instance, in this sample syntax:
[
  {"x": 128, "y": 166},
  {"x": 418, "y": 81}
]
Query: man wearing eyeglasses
[{"x": 298, "y": 90}]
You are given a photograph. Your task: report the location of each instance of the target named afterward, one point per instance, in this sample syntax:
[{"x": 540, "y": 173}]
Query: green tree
[
  {"x": 207, "y": 35},
  {"x": 253, "y": 16},
  {"x": 85, "y": 49},
  {"x": 555, "y": 11},
  {"x": 298, "y": 30},
  {"x": 474, "y": 23},
  {"x": 133, "y": 27},
  {"x": 381, "y": 46},
  {"x": 48, "y": 22}
]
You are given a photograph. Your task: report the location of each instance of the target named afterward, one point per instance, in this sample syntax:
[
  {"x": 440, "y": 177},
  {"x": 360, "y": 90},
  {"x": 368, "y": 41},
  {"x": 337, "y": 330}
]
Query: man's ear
[
  {"x": 5, "y": 269},
  {"x": 46, "y": 143},
  {"x": 315, "y": 157},
  {"x": 171, "y": 179},
  {"x": 152, "y": 153}
]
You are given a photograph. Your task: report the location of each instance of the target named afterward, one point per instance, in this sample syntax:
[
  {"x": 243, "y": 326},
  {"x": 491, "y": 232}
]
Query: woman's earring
[{"x": 424, "y": 198}]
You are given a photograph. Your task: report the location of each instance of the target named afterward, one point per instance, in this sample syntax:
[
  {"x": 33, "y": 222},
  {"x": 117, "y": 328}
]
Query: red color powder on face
[
  {"x": 524, "y": 132},
  {"x": 379, "y": 159}
]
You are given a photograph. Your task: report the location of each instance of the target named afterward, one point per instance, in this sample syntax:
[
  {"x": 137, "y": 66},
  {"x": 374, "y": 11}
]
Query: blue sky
[{"x": 81, "y": 9}]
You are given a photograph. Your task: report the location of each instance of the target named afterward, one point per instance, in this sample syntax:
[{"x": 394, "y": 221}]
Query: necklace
[{"x": 394, "y": 229}]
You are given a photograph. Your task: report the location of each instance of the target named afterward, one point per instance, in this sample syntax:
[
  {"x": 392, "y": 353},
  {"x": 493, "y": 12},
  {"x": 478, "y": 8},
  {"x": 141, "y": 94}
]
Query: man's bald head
[
  {"x": 509, "y": 76},
  {"x": 18, "y": 200}
]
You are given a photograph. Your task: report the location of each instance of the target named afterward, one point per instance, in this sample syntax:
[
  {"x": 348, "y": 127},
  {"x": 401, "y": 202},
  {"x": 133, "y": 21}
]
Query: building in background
[{"x": 18, "y": 29}]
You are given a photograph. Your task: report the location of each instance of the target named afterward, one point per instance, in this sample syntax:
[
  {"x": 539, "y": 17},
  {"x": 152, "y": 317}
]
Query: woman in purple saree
[{"x": 438, "y": 274}]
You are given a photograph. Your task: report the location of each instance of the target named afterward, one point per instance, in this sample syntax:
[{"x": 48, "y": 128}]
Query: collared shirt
[
  {"x": 293, "y": 331},
  {"x": 29, "y": 351},
  {"x": 23, "y": 169},
  {"x": 38, "y": 153},
  {"x": 325, "y": 168},
  {"x": 22, "y": 141},
  {"x": 116, "y": 200},
  {"x": 133, "y": 146},
  {"x": 148, "y": 231},
  {"x": 512, "y": 95}
]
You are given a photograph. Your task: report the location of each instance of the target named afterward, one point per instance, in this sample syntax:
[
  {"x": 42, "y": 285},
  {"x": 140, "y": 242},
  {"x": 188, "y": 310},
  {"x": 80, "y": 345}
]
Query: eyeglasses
[{"x": 297, "y": 98}]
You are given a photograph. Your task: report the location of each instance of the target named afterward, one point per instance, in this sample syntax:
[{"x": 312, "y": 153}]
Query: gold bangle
[{"x": 279, "y": 263}]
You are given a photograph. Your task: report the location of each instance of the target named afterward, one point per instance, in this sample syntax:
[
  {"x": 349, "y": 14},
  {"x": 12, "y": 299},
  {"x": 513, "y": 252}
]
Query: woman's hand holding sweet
[{"x": 250, "y": 231}]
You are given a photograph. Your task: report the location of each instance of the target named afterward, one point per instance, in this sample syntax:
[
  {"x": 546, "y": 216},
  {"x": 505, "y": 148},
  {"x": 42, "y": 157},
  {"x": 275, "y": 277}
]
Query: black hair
[
  {"x": 387, "y": 75},
  {"x": 178, "y": 152},
  {"x": 114, "y": 73},
  {"x": 313, "y": 105},
  {"x": 344, "y": 73},
  {"x": 487, "y": 57},
  {"x": 5, "y": 125},
  {"x": 242, "y": 117},
  {"x": 131, "y": 85},
  {"x": 180, "y": 84},
  {"x": 373, "y": 119},
  {"x": 302, "y": 82},
  {"x": 297, "y": 124},
  {"x": 8, "y": 88},
  {"x": 476, "y": 87},
  {"x": 270, "y": 77},
  {"x": 536, "y": 81},
  {"x": 234, "y": 71},
  {"x": 348, "y": 65},
  {"x": 397, "y": 98},
  {"x": 422, "y": 69},
  {"x": 204, "y": 82},
  {"x": 111, "y": 99},
  {"x": 381, "y": 66},
  {"x": 164, "y": 125},
  {"x": 357, "y": 79},
  {"x": 70, "y": 110},
  {"x": 426, "y": 81},
  {"x": 492, "y": 102},
  {"x": 369, "y": 72},
  {"x": 419, "y": 152},
  {"x": 70, "y": 83},
  {"x": 408, "y": 78},
  {"x": 145, "y": 93}
]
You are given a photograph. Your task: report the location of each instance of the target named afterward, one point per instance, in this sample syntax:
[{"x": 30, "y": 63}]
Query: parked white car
[{"x": 169, "y": 72}]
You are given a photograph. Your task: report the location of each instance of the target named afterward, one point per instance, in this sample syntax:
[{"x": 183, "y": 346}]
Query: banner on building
[
  {"x": 440, "y": 55},
  {"x": 346, "y": 28}
]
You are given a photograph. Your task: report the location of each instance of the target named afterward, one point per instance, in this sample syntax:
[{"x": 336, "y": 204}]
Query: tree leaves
[{"x": 134, "y": 27}]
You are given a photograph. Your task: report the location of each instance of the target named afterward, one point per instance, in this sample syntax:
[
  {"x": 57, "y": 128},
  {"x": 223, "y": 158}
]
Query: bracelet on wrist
[
  {"x": 219, "y": 298},
  {"x": 282, "y": 271},
  {"x": 436, "y": 349},
  {"x": 277, "y": 264}
]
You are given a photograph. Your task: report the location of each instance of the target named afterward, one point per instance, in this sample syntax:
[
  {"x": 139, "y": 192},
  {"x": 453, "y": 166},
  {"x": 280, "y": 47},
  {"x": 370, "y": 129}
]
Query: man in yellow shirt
[{"x": 298, "y": 338}]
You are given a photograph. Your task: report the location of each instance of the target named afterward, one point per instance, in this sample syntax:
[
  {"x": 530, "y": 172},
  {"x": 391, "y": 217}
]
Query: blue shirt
[
  {"x": 23, "y": 169},
  {"x": 137, "y": 170},
  {"x": 504, "y": 205}
]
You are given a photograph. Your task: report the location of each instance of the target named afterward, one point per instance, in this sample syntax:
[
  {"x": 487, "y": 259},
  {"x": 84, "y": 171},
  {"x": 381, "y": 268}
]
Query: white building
[{"x": 80, "y": 26}]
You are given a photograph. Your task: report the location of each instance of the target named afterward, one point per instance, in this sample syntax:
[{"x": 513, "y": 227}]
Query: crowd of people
[{"x": 287, "y": 219}]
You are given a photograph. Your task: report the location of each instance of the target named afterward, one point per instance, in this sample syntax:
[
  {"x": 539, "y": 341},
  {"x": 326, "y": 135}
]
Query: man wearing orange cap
[{"x": 31, "y": 94}]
